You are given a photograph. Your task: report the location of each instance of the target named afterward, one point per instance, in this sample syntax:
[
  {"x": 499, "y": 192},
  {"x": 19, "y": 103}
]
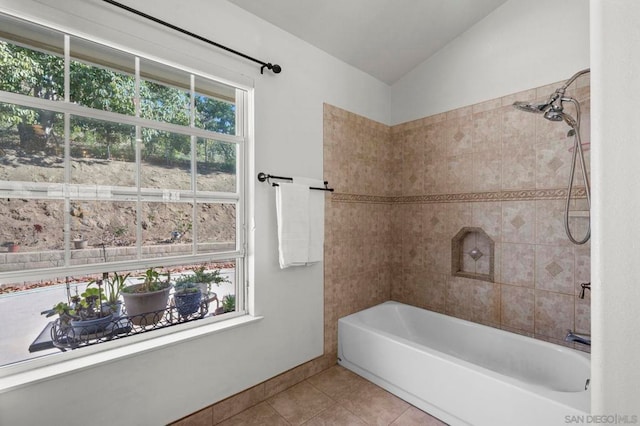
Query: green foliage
[
  {"x": 115, "y": 285},
  {"x": 185, "y": 284},
  {"x": 152, "y": 282},
  {"x": 200, "y": 275},
  {"x": 41, "y": 75},
  {"x": 229, "y": 303},
  {"x": 83, "y": 307}
]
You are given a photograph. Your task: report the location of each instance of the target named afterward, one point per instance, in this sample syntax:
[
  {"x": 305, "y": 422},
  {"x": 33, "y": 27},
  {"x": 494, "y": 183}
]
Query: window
[{"x": 112, "y": 165}]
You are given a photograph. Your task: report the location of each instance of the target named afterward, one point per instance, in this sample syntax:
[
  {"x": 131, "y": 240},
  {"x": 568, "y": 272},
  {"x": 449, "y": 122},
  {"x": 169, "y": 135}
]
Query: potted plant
[
  {"x": 79, "y": 242},
  {"x": 12, "y": 246},
  {"x": 84, "y": 315},
  {"x": 204, "y": 279},
  {"x": 145, "y": 302},
  {"x": 89, "y": 317},
  {"x": 187, "y": 296},
  {"x": 229, "y": 303},
  {"x": 64, "y": 311},
  {"x": 114, "y": 286}
]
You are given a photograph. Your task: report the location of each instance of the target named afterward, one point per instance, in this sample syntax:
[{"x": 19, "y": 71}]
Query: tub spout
[{"x": 573, "y": 337}]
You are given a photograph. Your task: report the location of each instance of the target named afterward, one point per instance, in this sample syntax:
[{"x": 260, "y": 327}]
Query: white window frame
[{"x": 41, "y": 368}]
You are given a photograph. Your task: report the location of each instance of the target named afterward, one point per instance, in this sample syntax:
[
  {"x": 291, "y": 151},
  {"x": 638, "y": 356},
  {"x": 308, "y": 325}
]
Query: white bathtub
[{"x": 462, "y": 372}]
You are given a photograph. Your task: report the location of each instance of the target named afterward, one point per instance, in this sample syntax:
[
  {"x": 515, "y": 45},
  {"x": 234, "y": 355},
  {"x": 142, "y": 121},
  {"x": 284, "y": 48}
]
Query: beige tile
[
  {"x": 518, "y": 222},
  {"x": 519, "y": 167},
  {"x": 554, "y": 269},
  {"x": 335, "y": 416},
  {"x": 550, "y": 223},
  {"x": 518, "y": 264},
  {"x": 337, "y": 381},
  {"x": 488, "y": 216},
  {"x": 300, "y": 403},
  {"x": 239, "y": 402},
  {"x": 435, "y": 220},
  {"x": 527, "y": 95},
  {"x": 487, "y": 130},
  {"x": 462, "y": 112},
  {"x": 459, "y": 177},
  {"x": 518, "y": 128},
  {"x": 487, "y": 105},
  {"x": 583, "y": 316},
  {"x": 435, "y": 292},
  {"x": 283, "y": 381},
  {"x": 435, "y": 175},
  {"x": 414, "y": 287},
  {"x": 260, "y": 415},
  {"x": 414, "y": 417},
  {"x": 459, "y": 297},
  {"x": 518, "y": 308},
  {"x": 485, "y": 303},
  {"x": 583, "y": 267},
  {"x": 487, "y": 171},
  {"x": 201, "y": 418},
  {"x": 553, "y": 164},
  {"x": 459, "y": 136},
  {"x": 458, "y": 216},
  {"x": 554, "y": 314},
  {"x": 374, "y": 405}
]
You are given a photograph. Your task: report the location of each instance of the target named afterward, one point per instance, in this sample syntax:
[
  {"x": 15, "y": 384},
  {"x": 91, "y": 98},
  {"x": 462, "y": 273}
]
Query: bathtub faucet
[{"x": 572, "y": 337}]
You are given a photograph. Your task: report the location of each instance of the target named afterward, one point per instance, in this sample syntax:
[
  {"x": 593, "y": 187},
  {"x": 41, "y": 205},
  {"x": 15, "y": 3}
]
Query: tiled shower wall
[
  {"x": 359, "y": 265},
  {"x": 399, "y": 202}
]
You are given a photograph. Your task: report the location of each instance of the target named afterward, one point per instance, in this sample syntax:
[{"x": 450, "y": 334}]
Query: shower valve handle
[{"x": 584, "y": 286}]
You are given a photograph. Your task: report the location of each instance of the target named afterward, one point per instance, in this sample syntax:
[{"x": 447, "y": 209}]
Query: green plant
[
  {"x": 61, "y": 308},
  {"x": 186, "y": 284},
  {"x": 229, "y": 303},
  {"x": 89, "y": 305},
  {"x": 202, "y": 276},
  {"x": 152, "y": 282},
  {"x": 84, "y": 307},
  {"x": 115, "y": 285}
]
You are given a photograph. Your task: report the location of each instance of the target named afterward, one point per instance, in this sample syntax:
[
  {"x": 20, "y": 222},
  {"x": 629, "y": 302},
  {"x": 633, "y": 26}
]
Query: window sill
[{"x": 27, "y": 374}]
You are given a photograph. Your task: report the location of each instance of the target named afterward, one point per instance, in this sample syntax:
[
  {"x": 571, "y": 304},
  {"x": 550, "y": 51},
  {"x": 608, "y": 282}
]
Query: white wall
[
  {"x": 288, "y": 139},
  {"x": 521, "y": 45},
  {"x": 615, "y": 103}
]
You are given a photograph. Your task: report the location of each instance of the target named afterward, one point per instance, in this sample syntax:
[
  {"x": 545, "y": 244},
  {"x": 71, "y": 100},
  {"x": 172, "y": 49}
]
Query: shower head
[
  {"x": 554, "y": 114},
  {"x": 536, "y": 108},
  {"x": 557, "y": 114}
]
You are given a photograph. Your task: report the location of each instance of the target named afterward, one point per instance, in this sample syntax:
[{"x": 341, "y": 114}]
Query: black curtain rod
[
  {"x": 262, "y": 177},
  {"x": 273, "y": 67}
]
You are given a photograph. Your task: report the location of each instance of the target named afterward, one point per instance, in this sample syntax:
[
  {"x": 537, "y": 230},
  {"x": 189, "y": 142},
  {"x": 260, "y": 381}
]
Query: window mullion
[
  {"x": 194, "y": 162},
  {"x": 136, "y": 102},
  {"x": 67, "y": 153}
]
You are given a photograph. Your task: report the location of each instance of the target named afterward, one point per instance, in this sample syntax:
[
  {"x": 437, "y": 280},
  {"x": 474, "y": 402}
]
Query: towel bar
[{"x": 264, "y": 177}]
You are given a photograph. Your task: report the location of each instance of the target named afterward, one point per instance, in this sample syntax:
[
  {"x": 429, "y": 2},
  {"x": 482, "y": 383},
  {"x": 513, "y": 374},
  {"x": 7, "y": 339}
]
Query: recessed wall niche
[{"x": 472, "y": 254}]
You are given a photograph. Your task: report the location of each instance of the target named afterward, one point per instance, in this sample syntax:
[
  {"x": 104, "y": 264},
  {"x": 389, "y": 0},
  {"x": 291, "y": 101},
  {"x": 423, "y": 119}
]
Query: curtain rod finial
[{"x": 273, "y": 67}]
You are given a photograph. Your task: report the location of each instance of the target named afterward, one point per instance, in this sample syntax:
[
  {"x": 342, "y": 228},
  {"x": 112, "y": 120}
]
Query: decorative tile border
[
  {"x": 338, "y": 197},
  {"x": 517, "y": 195}
]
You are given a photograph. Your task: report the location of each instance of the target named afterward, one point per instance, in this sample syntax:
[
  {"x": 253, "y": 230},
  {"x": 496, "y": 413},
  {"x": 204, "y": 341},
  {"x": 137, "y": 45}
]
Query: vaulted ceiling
[{"x": 384, "y": 38}]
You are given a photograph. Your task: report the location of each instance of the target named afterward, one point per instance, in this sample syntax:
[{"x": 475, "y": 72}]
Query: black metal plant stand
[{"x": 66, "y": 337}]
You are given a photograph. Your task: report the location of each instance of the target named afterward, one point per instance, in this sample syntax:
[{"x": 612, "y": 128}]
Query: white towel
[
  {"x": 316, "y": 218},
  {"x": 292, "y": 211}
]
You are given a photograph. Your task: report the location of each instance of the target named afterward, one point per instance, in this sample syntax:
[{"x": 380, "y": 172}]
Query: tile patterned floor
[{"x": 334, "y": 397}]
